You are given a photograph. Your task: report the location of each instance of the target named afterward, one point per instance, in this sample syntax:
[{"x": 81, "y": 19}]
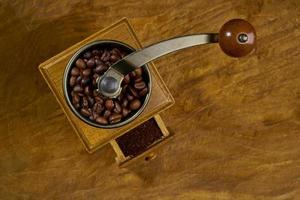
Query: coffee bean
[
  {"x": 118, "y": 108},
  {"x": 87, "y": 55},
  {"x": 135, "y": 104},
  {"x": 101, "y": 120},
  {"x": 85, "y": 103},
  {"x": 97, "y": 70},
  {"x": 109, "y": 104},
  {"x": 92, "y": 118},
  {"x": 120, "y": 97},
  {"x": 91, "y": 100},
  {"x": 106, "y": 114},
  {"x": 91, "y": 62},
  {"x": 129, "y": 97},
  {"x": 143, "y": 92},
  {"x": 72, "y": 81},
  {"x": 124, "y": 102},
  {"x": 95, "y": 115},
  {"x": 116, "y": 51},
  {"x": 114, "y": 58},
  {"x": 138, "y": 71},
  {"x": 75, "y": 71},
  {"x": 98, "y": 61},
  {"x": 95, "y": 93},
  {"x": 95, "y": 79},
  {"x": 77, "y": 88},
  {"x": 99, "y": 99},
  {"x": 103, "y": 97},
  {"x": 85, "y": 81},
  {"x": 107, "y": 63},
  {"x": 76, "y": 99},
  {"x": 125, "y": 112},
  {"x": 138, "y": 79},
  {"x": 85, "y": 112},
  {"x": 124, "y": 89},
  {"x": 80, "y": 64},
  {"x": 140, "y": 85},
  {"x": 87, "y": 90},
  {"x": 100, "y": 68},
  {"x": 86, "y": 72},
  {"x": 133, "y": 91},
  {"x": 77, "y": 105},
  {"x": 95, "y": 52},
  {"x": 98, "y": 108},
  {"x": 114, "y": 118},
  {"x": 105, "y": 56},
  {"x": 78, "y": 80},
  {"x": 123, "y": 54},
  {"x": 132, "y": 74},
  {"x": 126, "y": 79},
  {"x": 80, "y": 94},
  {"x": 95, "y": 76}
]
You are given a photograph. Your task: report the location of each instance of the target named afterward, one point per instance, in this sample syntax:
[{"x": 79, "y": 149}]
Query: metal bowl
[{"x": 104, "y": 44}]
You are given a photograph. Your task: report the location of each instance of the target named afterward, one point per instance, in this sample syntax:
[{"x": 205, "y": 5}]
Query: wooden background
[{"x": 236, "y": 121}]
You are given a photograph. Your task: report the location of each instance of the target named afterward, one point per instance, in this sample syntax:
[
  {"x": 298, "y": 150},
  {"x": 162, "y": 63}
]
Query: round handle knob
[{"x": 237, "y": 38}]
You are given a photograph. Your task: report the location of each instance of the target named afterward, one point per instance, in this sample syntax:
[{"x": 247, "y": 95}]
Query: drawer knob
[{"x": 149, "y": 157}]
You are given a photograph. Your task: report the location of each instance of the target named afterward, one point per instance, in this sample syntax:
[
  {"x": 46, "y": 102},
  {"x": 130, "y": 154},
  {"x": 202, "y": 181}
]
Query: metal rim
[{"x": 66, "y": 76}]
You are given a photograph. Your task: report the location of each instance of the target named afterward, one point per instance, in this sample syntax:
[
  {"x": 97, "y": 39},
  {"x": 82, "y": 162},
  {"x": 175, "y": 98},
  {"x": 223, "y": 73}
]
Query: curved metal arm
[
  {"x": 110, "y": 83},
  {"x": 154, "y": 51}
]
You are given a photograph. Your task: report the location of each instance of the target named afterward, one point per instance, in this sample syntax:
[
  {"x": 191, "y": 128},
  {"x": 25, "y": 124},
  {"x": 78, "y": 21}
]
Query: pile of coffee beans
[{"x": 89, "y": 102}]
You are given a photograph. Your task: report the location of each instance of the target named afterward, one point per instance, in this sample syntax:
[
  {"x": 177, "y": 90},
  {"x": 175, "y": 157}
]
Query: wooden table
[{"x": 236, "y": 121}]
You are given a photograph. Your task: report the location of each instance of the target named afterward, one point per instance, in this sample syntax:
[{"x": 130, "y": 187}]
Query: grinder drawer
[{"x": 141, "y": 143}]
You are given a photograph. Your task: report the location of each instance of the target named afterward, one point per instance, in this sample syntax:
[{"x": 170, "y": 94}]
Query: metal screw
[{"x": 243, "y": 38}]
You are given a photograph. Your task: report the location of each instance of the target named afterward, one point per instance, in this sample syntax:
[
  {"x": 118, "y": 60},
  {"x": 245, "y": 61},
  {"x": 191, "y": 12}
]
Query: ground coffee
[{"x": 140, "y": 138}]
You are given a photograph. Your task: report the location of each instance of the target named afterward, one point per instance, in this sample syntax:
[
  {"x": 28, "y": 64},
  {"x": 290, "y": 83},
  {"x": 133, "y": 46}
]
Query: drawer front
[{"x": 125, "y": 156}]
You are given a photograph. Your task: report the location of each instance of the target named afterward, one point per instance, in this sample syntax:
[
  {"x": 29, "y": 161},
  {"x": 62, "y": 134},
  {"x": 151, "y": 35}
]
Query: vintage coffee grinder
[{"x": 236, "y": 38}]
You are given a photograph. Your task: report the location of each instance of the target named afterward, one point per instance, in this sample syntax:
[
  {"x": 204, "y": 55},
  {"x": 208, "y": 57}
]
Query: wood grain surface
[{"x": 236, "y": 121}]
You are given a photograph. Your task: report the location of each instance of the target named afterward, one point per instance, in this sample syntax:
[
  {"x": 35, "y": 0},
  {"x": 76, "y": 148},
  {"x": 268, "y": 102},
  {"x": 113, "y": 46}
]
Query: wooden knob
[{"x": 237, "y": 38}]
